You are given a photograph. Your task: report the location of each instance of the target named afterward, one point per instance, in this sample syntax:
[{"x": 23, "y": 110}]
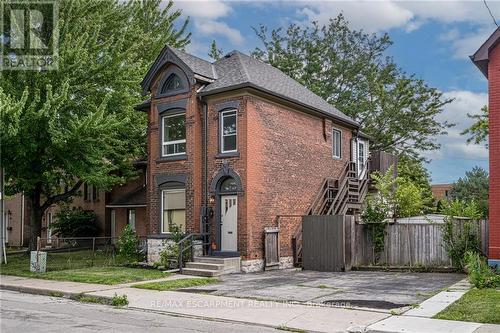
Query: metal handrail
[{"x": 183, "y": 248}]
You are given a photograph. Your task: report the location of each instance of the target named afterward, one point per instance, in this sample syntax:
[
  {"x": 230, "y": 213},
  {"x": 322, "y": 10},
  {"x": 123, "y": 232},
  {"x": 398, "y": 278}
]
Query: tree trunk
[{"x": 36, "y": 214}]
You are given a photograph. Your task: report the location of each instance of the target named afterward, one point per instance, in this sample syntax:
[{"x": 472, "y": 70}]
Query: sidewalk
[{"x": 265, "y": 313}]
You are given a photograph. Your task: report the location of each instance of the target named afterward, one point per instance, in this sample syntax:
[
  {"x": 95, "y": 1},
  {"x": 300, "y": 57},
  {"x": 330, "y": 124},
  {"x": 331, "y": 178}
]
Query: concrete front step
[
  {"x": 202, "y": 272},
  {"x": 213, "y": 266},
  {"x": 203, "y": 265}
]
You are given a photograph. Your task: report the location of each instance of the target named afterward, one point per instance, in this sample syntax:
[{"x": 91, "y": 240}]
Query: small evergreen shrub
[{"x": 128, "y": 246}]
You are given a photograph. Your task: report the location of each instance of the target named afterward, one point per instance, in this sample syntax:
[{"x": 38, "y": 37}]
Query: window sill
[
  {"x": 228, "y": 155},
  {"x": 172, "y": 158}
]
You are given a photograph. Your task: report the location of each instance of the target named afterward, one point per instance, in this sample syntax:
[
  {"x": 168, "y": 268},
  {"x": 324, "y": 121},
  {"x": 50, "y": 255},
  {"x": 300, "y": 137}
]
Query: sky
[{"x": 432, "y": 39}]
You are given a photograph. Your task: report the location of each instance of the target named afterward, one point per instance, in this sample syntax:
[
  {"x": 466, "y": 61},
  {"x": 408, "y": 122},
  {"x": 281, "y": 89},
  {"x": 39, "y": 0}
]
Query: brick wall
[
  {"x": 494, "y": 148},
  {"x": 192, "y": 166},
  {"x": 289, "y": 154}
]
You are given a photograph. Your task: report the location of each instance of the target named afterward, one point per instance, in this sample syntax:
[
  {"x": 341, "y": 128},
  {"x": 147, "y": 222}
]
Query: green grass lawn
[
  {"x": 477, "y": 305},
  {"x": 80, "y": 266},
  {"x": 176, "y": 284}
]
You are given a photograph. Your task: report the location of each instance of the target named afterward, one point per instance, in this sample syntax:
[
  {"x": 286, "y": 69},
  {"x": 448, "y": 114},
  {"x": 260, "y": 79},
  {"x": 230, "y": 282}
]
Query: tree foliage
[
  {"x": 75, "y": 223},
  {"x": 473, "y": 187},
  {"x": 77, "y": 124},
  {"x": 478, "y": 132},
  {"x": 412, "y": 171},
  {"x": 348, "y": 69},
  {"x": 215, "y": 52}
]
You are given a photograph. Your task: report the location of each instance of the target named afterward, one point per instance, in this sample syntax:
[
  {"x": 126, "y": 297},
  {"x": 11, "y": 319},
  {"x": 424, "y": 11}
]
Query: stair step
[
  {"x": 201, "y": 272},
  {"x": 204, "y": 265}
]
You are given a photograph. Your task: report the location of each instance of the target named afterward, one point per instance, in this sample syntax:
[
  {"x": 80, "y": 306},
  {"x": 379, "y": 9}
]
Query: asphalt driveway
[{"x": 380, "y": 290}]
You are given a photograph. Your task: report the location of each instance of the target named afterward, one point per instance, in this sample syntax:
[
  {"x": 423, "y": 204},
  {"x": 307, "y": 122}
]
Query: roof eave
[{"x": 253, "y": 86}]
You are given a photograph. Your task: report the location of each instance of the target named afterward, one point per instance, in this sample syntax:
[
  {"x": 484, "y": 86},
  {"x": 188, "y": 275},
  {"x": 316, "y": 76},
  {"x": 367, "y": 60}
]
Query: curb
[{"x": 53, "y": 293}]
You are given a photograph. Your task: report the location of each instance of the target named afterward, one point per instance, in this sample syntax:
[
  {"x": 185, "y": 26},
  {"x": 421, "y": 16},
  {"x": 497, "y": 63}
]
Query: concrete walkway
[{"x": 308, "y": 317}]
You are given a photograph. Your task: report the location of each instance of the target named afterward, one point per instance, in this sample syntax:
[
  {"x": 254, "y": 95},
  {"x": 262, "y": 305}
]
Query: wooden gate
[
  {"x": 271, "y": 247},
  {"x": 323, "y": 243}
]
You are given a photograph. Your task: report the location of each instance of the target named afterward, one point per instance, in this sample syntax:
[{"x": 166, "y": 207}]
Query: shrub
[
  {"x": 457, "y": 241},
  {"x": 169, "y": 256},
  {"x": 75, "y": 223},
  {"x": 128, "y": 246},
  {"x": 480, "y": 274}
]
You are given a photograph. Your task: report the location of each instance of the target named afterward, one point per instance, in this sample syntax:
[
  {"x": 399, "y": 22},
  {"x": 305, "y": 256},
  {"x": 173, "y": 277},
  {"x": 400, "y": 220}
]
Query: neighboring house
[
  {"x": 487, "y": 59},
  {"x": 236, "y": 146},
  {"x": 16, "y": 221},
  {"x": 121, "y": 206},
  {"x": 441, "y": 191}
]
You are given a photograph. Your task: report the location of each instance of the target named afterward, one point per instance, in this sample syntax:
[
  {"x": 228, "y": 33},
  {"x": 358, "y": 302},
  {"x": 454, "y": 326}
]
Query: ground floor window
[
  {"x": 173, "y": 210},
  {"x": 131, "y": 218}
]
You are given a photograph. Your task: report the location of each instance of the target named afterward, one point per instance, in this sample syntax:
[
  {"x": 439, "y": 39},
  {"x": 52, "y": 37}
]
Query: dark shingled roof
[
  {"x": 237, "y": 70},
  {"x": 197, "y": 65},
  {"x": 133, "y": 198}
]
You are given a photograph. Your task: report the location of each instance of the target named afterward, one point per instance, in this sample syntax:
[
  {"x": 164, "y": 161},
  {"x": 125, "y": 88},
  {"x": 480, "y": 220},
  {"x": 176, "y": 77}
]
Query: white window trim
[
  {"x": 221, "y": 130},
  {"x": 333, "y": 143},
  {"x": 168, "y": 143},
  {"x": 162, "y": 210}
]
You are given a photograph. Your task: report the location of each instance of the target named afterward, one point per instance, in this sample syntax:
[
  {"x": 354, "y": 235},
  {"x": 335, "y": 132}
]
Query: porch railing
[{"x": 187, "y": 244}]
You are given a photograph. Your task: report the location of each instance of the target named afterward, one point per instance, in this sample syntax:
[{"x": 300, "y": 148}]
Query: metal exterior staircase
[{"x": 342, "y": 196}]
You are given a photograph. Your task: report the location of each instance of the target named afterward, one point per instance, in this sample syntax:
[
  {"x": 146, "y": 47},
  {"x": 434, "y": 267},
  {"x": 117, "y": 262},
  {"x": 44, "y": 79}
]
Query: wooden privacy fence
[
  {"x": 323, "y": 243},
  {"x": 413, "y": 244},
  {"x": 337, "y": 243}
]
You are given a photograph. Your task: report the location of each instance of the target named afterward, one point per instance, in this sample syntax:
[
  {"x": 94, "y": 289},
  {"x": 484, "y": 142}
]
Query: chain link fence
[{"x": 74, "y": 253}]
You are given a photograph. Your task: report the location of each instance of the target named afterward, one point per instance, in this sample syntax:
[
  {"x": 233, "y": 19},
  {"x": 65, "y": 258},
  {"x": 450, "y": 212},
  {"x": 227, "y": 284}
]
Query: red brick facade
[
  {"x": 494, "y": 147},
  {"x": 284, "y": 155}
]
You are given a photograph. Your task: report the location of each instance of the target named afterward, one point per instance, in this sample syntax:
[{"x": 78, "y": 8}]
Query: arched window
[
  {"x": 172, "y": 83},
  {"x": 229, "y": 185}
]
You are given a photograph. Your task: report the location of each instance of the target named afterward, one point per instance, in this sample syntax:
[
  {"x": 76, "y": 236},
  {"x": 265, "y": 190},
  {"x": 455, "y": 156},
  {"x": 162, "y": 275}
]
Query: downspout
[{"x": 205, "y": 210}]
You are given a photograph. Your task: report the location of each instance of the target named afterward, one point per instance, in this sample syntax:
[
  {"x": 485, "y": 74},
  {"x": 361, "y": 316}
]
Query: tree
[
  {"x": 215, "y": 53},
  {"x": 473, "y": 187},
  {"x": 349, "y": 70},
  {"x": 77, "y": 124},
  {"x": 478, "y": 132},
  {"x": 412, "y": 170}
]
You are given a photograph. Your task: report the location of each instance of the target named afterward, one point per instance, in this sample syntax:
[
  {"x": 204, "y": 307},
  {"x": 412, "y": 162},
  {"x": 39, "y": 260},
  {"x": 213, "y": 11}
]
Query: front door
[{"x": 228, "y": 223}]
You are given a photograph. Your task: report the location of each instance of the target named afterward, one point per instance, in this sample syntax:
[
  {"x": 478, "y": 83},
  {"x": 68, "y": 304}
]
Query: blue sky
[{"x": 432, "y": 39}]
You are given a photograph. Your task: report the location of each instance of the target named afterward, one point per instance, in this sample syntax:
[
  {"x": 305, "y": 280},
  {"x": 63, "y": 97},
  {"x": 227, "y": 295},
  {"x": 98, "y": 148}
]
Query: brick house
[
  {"x": 236, "y": 146},
  {"x": 441, "y": 191},
  {"x": 124, "y": 204},
  {"x": 487, "y": 59}
]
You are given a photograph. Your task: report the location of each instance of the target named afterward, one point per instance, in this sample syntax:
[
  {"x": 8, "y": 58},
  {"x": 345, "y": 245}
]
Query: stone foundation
[
  {"x": 250, "y": 266},
  {"x": 257, "y": 265},
  {"x": 156, "y": 245},
  {"x": 286, "y": 262}
]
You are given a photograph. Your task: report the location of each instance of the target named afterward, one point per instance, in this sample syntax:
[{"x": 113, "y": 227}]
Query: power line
[{"x": 491, "y": 14}]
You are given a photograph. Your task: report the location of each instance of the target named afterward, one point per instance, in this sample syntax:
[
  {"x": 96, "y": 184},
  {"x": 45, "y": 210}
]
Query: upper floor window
[
  {"x": 174, "y": 134},
  {"x": 172, "y": 83},
  {"x": 337, "y": 143},
  {"x": 228, "y": 131}
]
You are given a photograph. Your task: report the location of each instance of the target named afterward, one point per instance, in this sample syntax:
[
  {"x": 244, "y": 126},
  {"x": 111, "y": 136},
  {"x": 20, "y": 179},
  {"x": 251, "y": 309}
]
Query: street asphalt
[{"x": 35, "y": 313}]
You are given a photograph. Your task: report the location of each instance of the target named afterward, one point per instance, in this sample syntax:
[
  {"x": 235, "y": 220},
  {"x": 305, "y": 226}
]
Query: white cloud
[
  {"x": 207, "y": 15},
  {"x": 211, "y": 28},
  {"x": 381, "y": 16},
  {"x": 371, "y": 16},
  {"x": 454, "y": 145},
  {"x": 211, "y": 9},
  {"x": 464, "y": 45}
]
